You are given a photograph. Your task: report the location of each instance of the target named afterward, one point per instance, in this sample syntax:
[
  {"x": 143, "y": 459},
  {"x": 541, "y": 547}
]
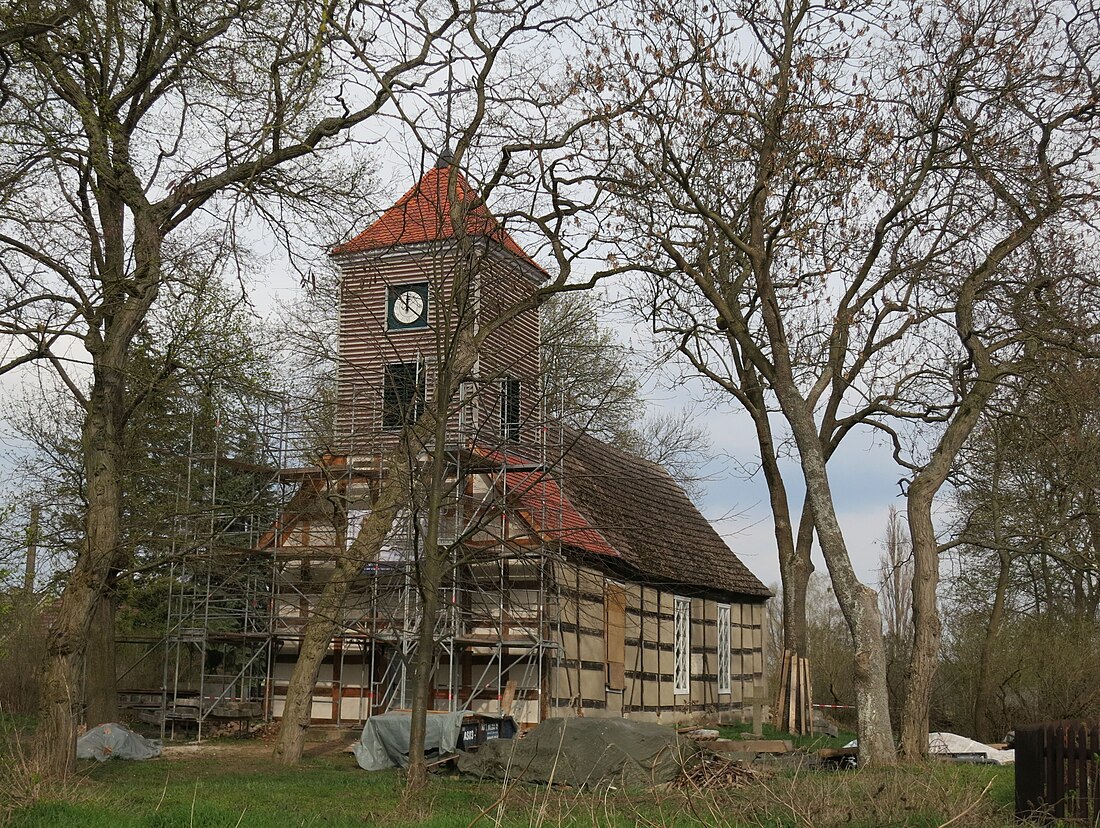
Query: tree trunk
[
  {"x": 927, "y": 627},
  {"x": 926, "y": 567},
  {"x": 430, "y": 581},
  {"x": 984, "y": 693},
  {"x": 795, "y": 566},
  {"x": 858, "y": 602},
  {"x": 100, "y": 675},
  {"x": 796, "y": 584},
  {"x": 431, "y": 566},
  {"x": 55, "y": 744},
  {"x": 325, "y": 615}
]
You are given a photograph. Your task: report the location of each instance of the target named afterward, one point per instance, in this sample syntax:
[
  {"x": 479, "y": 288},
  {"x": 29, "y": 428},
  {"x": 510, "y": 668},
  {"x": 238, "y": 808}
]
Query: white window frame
[
  {"x": 725, "y": 673},
  {"x": 681, "y": 669}
]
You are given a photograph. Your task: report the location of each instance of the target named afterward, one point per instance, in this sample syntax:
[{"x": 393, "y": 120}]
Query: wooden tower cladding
[{"x": 401, "y": 303}]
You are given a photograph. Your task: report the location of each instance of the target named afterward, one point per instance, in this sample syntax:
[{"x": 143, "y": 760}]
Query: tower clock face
[{"x": 408, "y": 306}]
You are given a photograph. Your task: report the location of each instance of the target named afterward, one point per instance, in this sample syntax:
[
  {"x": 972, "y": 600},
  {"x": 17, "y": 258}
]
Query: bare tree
[
  {"x": 593, "y": 382},
  {"x": 1017, "y": 300},
  {"x": 895, "y": 592},
  {"x": 744, "y": 206},
  {"x": 896, "y": 577},
  {"x": 1024, "y": 491},
  {"x": 836, "y": 186},
  {"x": 125, "y": 133}
]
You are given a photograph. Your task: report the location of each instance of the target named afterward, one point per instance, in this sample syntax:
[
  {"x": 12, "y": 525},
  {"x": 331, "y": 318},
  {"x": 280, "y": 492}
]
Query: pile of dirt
[{"x": 586, "y": 753}]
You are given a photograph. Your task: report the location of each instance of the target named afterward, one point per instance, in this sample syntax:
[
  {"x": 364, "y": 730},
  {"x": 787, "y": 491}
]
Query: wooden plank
[
  {"x": 1027, "y": 771},
  {"x": 1085, "y": 772},
  {"x": 810, "y": 696},
  {"x": 838, "y": 753},
  {"x": 763, "y": 745},
  {"x": 803, "y": 727},
  {"x": 508, "y": 698},
  {"x": 1093, "y": 747},
  {"x": 780, "y": 698},
  {"x": 796, "y": 719},
  {"x": 1084, "y": 762},
  {"x": 1094, "y": 774},
  {"x": 793, "y": 690},
  {"x": 1055, "y": 758},
  {"x": 615, "y": 635},
  {"x": 1070, "y": 774}
]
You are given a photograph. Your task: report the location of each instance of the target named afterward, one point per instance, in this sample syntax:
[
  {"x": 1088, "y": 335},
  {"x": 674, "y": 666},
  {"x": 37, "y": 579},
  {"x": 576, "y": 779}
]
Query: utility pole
[{"x": 32, "y": 551}]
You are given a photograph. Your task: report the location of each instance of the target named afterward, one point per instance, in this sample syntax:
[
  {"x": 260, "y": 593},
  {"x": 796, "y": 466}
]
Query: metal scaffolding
[{"x": 241, "y": 584}]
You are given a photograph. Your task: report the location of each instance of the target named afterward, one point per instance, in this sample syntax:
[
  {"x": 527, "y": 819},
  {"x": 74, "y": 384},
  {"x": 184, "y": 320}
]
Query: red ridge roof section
[
  {"x": 548, "y": 508},
  {"x": 423, "y": 215},
  {"x": 553, "y": 515}
]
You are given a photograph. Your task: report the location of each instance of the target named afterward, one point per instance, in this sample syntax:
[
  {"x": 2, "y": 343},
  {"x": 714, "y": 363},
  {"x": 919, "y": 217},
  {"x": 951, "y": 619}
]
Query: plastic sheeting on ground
[
  {"x": 952, "y": 744},
  {"x": 586, "y": 753},
  {"x": 384, "y": 742},
  {"x": 115, "y": 741}
]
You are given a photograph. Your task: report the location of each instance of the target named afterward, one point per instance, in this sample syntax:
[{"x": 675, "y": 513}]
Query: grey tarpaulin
[
  {"x": 384, "y": 742},
  {"x": 115, "y": 741},
  {"x": 586, "y": 753}
]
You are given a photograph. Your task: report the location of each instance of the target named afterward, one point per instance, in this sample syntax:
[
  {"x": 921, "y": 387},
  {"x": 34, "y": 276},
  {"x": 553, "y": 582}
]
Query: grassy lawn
[{"x": 237, "y": 785}]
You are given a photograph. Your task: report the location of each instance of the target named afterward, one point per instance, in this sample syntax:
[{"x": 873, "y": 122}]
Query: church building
[{"x": 582, "y": 580}]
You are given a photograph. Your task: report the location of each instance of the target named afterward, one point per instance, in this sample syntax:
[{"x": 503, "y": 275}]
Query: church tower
[{"x": 434, "y": 261}]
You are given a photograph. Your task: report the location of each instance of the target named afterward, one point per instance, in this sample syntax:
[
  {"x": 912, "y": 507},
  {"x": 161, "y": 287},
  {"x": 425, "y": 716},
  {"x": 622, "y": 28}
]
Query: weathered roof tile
[
  {"x": 613, "y": 504},
  {"x": 424, "y": 214}
]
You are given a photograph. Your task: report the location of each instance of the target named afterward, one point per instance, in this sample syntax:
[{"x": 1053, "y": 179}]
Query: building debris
[{"x": 712, "y": 771}]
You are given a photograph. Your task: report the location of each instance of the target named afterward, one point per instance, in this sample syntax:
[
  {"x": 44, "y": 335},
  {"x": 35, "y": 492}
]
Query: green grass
[
  {"x": 241, "y": 786},
  {"x": 247, "y": 791},
  {"x": 16, "y": 723}
]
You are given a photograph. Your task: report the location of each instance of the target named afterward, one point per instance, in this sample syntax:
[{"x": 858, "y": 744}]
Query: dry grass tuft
[{"x": 21, "y": 785}]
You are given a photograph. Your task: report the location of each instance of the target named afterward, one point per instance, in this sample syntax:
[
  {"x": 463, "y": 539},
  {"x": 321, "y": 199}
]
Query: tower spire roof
[{"x": 425, "y": 214}]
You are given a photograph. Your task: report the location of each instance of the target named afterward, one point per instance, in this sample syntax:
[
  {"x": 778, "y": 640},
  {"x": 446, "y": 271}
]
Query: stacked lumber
[{"x": 794, "y": 710}]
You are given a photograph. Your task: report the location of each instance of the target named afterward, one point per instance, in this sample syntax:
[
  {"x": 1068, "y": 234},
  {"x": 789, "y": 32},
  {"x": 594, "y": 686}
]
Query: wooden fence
[{"x": 1058, "y": 771}]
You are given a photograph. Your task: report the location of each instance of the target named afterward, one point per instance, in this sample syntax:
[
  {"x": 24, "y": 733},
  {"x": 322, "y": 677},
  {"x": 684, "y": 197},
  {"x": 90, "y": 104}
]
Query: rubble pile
[{"x": 712, "y": 771}]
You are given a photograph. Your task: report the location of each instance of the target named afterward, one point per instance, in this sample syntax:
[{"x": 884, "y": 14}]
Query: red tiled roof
[
  {"x": 423, "y": 215},
  {"x": 547, "y": 508},
  {"x": 552, "y": 514},
  {"x": 610, "y": 503}
]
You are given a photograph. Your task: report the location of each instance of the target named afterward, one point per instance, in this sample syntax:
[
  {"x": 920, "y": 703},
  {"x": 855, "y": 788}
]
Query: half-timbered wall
[
  {"x": 607, "y": 645},
  {"x": 587, "y": 680}
]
